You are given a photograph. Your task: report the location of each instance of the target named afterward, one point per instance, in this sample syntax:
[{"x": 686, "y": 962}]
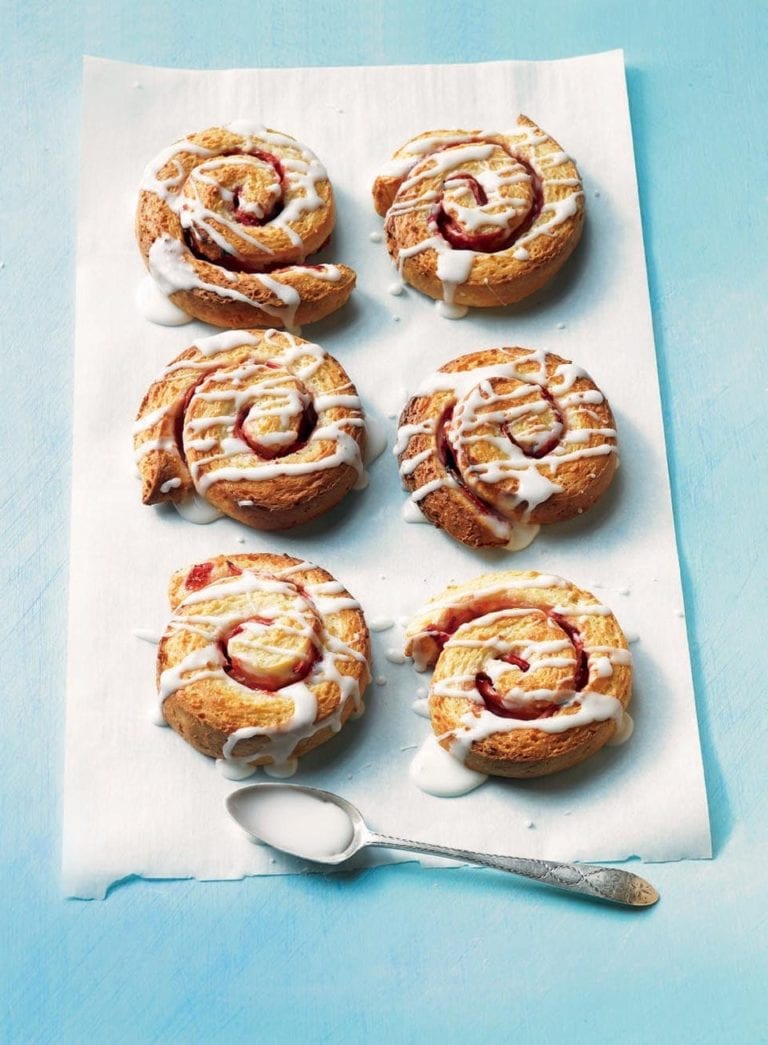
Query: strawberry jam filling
[
  {"x": 504, "y": 707},
  {"x": 199, "y": 576},
  {"x": 206, "y": 248}
]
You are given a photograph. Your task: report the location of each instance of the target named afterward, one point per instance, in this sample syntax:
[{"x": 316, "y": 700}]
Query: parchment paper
[{"x": 140, "y": 801}]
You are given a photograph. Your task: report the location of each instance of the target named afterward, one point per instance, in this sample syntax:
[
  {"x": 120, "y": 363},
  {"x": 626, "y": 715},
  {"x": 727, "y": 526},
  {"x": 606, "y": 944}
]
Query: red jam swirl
[{"x": 239, "y": 672}]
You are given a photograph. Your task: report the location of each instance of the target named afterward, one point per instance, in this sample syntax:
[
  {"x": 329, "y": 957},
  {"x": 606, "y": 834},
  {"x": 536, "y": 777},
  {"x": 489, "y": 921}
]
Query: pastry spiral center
[
  {"x": 250, "y": 408},
  {"x": 500, "y": 432},
  {"x": 275, "y": 648},
  {"x": 278, "y": 417},
  {"x": 225, "y": 200},
  {"x": 485, "y": 203},
  {"x": 524, "y": 663}
]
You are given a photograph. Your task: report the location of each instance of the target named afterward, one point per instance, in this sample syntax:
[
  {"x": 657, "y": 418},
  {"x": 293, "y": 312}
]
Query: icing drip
[{"x": 438, "y": 773}]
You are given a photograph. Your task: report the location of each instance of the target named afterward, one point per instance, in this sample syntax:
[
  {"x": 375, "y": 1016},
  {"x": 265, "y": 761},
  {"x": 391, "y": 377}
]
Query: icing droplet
[
  {"x": 196, "y": 509},
  {"x": 156, "y": 307},
  {"x": 281, "y": 770},
  {"x": 420, "y": 707},
  {"x": 395, "y": 656},
  {"x": 411, "y": 512},
  {"x": 623, "y": 731},
  {"x": 375, "y": 438},
  {"x": 381, "y": 624},
  {"x": 153, "y": 637},
  {"x": 396, "y": 289},
  {"x": 381, "y": 680},
  {"x": 376, "y": 237},
  {"x": 522, "y": 535}
]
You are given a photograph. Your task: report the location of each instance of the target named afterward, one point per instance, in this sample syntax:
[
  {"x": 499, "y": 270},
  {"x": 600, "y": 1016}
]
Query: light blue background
[{"x": 403, "y": 954}]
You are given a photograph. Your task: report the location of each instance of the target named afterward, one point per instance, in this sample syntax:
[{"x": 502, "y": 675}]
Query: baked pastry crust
[
  {"x": 265, "y": 658},
  {"x": 477, "y": 218},
  {"x": 505, "y": 439},
  {"x": 265, "y": 426},
  {"x": 226, "y": 220},
  {"x": 532, "y": 674}
]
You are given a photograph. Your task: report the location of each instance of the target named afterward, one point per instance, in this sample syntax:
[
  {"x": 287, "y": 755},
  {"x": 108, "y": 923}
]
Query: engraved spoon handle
[{"x": 603, "y": 883}]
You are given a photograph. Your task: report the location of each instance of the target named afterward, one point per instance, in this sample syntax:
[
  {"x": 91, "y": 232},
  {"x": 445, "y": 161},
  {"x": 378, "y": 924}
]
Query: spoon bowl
[
  {"x": 243, "y": 803},
  {"x": 323, "y": 827}
]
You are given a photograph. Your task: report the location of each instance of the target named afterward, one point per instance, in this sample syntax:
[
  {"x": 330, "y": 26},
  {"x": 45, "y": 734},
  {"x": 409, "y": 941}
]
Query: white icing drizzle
[{"x": 207, "y": 661}]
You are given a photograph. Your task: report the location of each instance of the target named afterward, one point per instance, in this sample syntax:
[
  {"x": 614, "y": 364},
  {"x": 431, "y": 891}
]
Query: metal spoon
[{"x": 603, "y": 883}]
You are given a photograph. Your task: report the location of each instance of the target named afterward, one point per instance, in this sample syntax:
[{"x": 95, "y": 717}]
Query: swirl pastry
[
  {"x": 479, "y": 218},
  {"x": 532, "y": 675},
  {"x": 264, "y": 426},
  {"x": 264, "y": 658},
  {"x": 499, "y": 441},
  {"x": 226, "y": 220}
]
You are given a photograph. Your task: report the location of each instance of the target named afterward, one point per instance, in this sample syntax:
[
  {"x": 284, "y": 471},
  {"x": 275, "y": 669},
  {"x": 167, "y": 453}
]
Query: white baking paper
[{"x": 139, "y": 801}]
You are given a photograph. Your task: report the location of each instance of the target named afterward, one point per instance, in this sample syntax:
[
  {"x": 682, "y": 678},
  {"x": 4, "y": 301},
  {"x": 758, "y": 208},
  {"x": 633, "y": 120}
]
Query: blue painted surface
[{"x": 402, "y": 954}]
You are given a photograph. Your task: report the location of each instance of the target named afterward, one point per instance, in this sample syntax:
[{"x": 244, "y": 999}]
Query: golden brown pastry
[
  {"x": 500, "y": 441},
  {"x": 264, "y": 426},
  {"x": 532, "y": 675},
  {"x": 226, "y": 220},
  {"x": 478, "y": 218},
  {"x": 264, "y": 658}
]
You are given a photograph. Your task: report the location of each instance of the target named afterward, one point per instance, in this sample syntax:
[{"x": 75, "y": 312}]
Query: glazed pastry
[
  {"x": 500, "y": 441},
  {"x": 264, "y": 658},
  {"x": 265, "y": 427},
  {"x": 477, "y": 218},
  {"x": 531, "y": 674},
  {"x": 226, "y": 220}
]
